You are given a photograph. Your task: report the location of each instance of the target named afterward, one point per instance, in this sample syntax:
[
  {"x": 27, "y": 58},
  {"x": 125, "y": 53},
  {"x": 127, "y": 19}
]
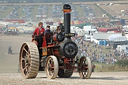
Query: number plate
[{"x": 69, "y": 34}]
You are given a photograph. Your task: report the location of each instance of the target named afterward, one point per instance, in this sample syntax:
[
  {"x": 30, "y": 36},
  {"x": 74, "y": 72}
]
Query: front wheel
[
  {"x": 51, "y": 67},
  {"x": 85, "y": 65}
]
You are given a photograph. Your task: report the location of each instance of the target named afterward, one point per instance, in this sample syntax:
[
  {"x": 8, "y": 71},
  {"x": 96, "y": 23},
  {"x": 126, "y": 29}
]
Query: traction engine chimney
[{"x": 67, "y": 15}]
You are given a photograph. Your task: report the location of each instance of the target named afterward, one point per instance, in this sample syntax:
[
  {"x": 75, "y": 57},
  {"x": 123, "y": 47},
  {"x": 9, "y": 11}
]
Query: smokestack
[
  {"x": 67, "y": 15},
  {"x": 67, "y": 22}
]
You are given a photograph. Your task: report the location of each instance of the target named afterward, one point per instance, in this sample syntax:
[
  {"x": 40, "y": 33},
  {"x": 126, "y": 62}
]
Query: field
[
  {"x": 113, "y": 10},
  {"x": 80, "y": 12}
]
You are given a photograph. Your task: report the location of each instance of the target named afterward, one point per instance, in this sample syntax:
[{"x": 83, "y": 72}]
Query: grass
[
  {"x": 80, "y": 10},
  {"x": 97, "y": 12},
  {"x": 34, "y": 12},
  {"x": 20, "y": 11},
  {"x": 6, "y": 12},
  {"x": 49, "y": 14},
  {"x": 98, "y": 67},
  {"x": 109, "y": 68},
  {"x": 104, "y": 11}
]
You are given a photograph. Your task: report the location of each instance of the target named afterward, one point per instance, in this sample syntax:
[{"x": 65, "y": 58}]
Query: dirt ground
[
  {"x": 8, "y": 62},
  {"x": 102, "y": 78}
]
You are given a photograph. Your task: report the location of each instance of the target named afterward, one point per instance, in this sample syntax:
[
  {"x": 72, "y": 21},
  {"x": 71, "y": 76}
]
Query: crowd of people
[{"x": 98, "y": 53}]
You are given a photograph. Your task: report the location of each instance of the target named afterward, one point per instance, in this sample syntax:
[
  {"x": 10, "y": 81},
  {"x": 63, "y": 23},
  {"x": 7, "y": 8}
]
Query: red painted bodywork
[{"x": 44, "y": 42}]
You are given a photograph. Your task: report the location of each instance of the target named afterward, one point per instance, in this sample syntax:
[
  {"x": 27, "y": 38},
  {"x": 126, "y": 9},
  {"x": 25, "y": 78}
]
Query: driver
[
  {"x": 38, "y": 38},
  {"x": 38, "y": 34}
]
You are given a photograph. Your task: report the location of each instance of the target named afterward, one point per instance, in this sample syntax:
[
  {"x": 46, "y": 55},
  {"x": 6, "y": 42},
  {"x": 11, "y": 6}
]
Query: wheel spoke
[
  {"x": 52, "y": 64},
  {"x": 26, "y": 51},
  {"x": 22, "y": 58},
  {"x": 48, "y": 64},
  {"x": 29, "y": 59},
  {"x": 25, "y": 68},
  {"x": 83, "y": 74},
  {"x": 50, "y": 61},
  {"x": 49, "y": 68}
]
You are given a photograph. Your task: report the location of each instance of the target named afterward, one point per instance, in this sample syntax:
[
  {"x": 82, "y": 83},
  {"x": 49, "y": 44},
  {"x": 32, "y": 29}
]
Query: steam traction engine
[{"x": 56, "y": 56}]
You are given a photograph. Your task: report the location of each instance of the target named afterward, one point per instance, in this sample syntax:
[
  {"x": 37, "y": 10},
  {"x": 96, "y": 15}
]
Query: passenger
[
  {"x": 48, "y": 34},
  {"x": 58, "y": 29},
  {"x": 48, "y": 30}
]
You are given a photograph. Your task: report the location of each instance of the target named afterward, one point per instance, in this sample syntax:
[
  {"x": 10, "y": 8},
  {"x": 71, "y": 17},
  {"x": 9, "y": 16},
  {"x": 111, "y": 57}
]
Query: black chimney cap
[{"x": 66, "y": 6}]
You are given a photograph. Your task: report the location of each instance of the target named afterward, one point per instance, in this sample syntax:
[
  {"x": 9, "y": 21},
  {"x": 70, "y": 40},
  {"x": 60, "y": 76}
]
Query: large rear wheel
[
  {"x": 29, "y": 60},
  {"x": 85, "y": 70},
  {"x": 51, "y": 67}
]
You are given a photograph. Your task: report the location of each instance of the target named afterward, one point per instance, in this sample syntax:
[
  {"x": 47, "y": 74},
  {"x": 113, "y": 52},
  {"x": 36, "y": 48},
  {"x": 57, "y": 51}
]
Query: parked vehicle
[{"x": 11, "y": 31}]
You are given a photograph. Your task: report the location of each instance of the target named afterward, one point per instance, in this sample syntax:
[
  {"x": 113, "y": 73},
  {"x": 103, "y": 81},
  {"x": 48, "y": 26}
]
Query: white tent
[{"x": 117, "y": 38}]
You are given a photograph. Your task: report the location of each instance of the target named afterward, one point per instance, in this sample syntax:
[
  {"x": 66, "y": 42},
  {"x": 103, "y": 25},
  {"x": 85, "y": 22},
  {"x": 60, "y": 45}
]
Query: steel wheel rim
[
  {"x": 50, "y": 67},
  {"x": 83, "y": 70},
  {"x": 25, "y": 60}
]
